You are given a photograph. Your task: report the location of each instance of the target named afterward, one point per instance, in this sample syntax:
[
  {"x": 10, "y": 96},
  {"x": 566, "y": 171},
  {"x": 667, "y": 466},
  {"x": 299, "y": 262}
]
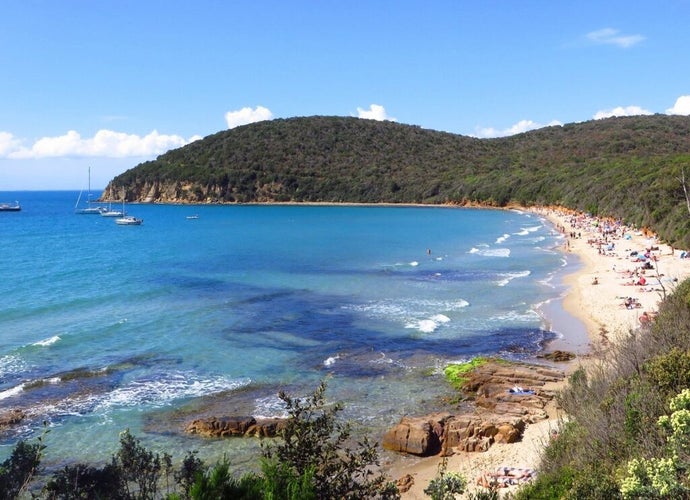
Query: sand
[{"x": 596, "y": 296}]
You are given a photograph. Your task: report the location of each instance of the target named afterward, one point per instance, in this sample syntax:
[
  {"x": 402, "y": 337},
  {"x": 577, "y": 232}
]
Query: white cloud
[
  {"x": 621, "y": 111},
  {"x": 518, "y": 128},
  {"x": 610, "y": 36},
  {"x": 681, "y": 107},
  {"x": 106, "y": 143},
  {"x": 375, "y": 112},
  {"x": 8, "y": 144},
  {"x": 247, "y": 115}
]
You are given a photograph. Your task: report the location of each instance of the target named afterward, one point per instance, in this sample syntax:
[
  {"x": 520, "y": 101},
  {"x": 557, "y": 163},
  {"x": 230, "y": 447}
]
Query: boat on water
[
  {"x": 111, "y": 212},
  {"x": 91, "y": 208},
  {"x": 6, "y": 207},
  {"x": 191, "y": 217},
  {"x": 127, "y": 220}
]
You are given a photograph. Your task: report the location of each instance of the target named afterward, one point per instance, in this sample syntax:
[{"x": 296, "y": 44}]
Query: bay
[{"x": 107, "y": 327}]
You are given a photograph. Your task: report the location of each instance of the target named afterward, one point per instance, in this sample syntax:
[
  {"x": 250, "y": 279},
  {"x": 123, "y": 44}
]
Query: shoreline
[{"x": 590, "y": 316}]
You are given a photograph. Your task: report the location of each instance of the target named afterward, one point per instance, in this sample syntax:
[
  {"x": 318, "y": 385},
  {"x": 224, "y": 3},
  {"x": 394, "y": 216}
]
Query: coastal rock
[
  {"x": 478, "y": 433},
  {"x": 235, "y": 426},
  {"x": 11, "y": 417},
  {"x": 421, "y": 436},
  {"x": 507, "y": 397},
  {"x": 558, "y": 356},
  {"x": 405, "y": 483}
]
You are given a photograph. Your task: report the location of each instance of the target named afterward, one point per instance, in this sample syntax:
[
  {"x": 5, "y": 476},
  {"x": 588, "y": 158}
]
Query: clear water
[{"x": 107, "y": 327}]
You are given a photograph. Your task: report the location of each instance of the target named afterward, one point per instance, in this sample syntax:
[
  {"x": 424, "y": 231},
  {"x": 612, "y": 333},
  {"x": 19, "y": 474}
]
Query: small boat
[
  {"x": 110, "y": 212},
  {"x": 190, "y": 217},
  {"x": 129, "y": 220},
  {"x": 6, "y": 207}
]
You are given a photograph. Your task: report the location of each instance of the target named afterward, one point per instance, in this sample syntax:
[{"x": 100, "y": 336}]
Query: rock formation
[
  {"x": 235, "y": 426},
  {"x": 507, "y": 397}
]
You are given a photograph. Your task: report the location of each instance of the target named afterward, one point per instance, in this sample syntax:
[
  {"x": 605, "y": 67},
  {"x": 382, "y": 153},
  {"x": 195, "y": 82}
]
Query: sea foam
[{"x": 46, "y": 342}]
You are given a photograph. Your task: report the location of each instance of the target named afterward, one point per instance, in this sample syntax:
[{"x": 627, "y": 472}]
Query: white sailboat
[
  {"x": 111, "y": 212},
  {"x": 127, "y": 220},
  {"x": 90, "y": 209}
]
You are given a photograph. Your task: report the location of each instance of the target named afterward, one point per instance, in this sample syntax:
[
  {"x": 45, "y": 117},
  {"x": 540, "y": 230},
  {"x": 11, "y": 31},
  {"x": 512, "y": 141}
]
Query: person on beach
[{"x": 645, "y": 319}]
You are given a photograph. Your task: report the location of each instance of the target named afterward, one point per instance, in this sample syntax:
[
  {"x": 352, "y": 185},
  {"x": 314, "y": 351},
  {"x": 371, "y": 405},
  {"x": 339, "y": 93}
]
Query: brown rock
[
  {"x": 499, "y": 416},
  {"x": 422, "y": 436},
  {"x": 558, "y": 356},
  {"x": 235, "y": 426},
  {"x": 405, "y": 483},
  {"x": 11, "y": 417}
]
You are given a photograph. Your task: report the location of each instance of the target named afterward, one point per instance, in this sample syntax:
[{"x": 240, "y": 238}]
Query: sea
[{"x": 211, "y": 310}]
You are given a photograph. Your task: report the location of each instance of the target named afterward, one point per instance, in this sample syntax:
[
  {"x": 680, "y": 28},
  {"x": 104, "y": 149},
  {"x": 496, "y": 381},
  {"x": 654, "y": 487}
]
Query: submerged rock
[
  {"x": 235, "y": 426},
  {"x": 9, "y": 418}
]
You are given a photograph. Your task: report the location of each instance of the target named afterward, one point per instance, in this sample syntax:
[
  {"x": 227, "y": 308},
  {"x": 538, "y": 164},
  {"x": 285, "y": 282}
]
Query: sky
[{"x": 107, "y": 84}]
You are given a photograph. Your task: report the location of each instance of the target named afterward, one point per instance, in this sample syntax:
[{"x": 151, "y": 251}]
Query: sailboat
[
  {"x": 111, "y": 212},
  {"x": 127, "y": 220},
  {"x": 89, "y": 209}
]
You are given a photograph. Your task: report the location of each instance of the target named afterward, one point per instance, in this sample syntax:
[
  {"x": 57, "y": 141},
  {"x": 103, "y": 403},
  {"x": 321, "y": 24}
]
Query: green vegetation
[
  {"x": 628, "y": 168},
  {"x": 446, "y": 485},
  {"x": 455, "y": 373}
]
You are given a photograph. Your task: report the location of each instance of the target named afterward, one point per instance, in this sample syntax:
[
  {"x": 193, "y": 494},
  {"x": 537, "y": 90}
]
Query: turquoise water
[{"x": 107, "y": 327}]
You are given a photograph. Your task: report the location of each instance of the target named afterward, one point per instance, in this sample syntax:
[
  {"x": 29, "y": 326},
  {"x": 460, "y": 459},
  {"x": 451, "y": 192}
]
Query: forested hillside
[{"x": 628, "y": 167}]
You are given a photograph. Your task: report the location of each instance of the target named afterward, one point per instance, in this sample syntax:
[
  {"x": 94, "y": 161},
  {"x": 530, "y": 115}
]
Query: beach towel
[{"x": 504, "y": 476}]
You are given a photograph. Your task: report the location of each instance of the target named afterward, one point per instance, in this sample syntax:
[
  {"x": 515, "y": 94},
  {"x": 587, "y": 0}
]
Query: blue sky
[{"x": 108, "y": 84}]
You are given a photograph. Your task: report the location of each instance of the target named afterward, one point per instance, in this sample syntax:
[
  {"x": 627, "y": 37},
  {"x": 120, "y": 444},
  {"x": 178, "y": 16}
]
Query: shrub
[
  {"x": 18, "y": 470},
  {"x": 219, "y": 483},
  {"x": 314, "y": 445},
  {"x": 139, "y": 467},
  {"x": 446, "y": 485}
]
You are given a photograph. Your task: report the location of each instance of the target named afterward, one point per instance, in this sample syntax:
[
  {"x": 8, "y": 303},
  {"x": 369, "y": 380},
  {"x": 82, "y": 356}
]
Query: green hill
[{"x": 628, "y": 168}]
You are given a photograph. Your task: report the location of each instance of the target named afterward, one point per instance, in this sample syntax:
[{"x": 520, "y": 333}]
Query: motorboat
[
  {"x": 129, "y": 220},
  {"x": 6, "y": 207}
]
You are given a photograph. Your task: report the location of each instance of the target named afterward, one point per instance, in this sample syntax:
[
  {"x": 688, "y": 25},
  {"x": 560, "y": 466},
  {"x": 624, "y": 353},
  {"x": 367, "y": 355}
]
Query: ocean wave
[
  {"x": 27, "y": 386},
  {"x": 527, "y": 316},
  {"x": 46, "y": 342},
  {"x": 428, "y": 325},
  {"x": 160, "y": 390},
  {"x": 14, "y": 391},
  {"x": 330, "y": 361},
  {"x": 495, "y": 252},
  {"x": 502, "y": 239},
  {"x": 508, "y": 277},
  {"x": 270, "y": 407}
]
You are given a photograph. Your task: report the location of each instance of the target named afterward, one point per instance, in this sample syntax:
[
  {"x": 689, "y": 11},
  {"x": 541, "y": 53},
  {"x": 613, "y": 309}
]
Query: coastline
[{"x": 595, "y": 297}]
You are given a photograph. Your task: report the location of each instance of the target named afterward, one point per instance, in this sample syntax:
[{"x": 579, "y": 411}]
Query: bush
[
  {"x": 446, "y": 485},
  {"x": 19, "y": 469},
  {"x": 315, "y": 444}
]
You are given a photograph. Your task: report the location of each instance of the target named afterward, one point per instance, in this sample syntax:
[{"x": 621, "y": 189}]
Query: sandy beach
[{"x": 623, "y": 275}]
